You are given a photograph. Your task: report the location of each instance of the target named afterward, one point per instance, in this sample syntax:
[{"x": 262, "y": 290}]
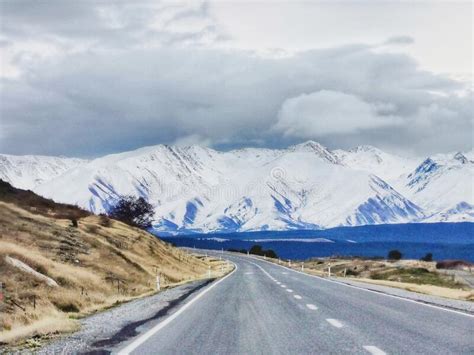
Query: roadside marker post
[
  {"x": 329, "y": 270},
  {"x": 302, "y": 266},
  {"x": 345, "y": 270},
  {"x": 209, "y": 272},
  {"x": 158, "y": 285}
]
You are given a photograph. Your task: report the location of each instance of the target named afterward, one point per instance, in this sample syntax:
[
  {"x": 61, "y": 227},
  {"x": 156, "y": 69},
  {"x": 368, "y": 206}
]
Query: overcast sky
[{"x": 87, "y": 78}]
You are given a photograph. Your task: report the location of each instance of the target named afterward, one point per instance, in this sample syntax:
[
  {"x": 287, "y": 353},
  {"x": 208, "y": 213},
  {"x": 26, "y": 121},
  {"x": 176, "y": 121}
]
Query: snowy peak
[
  {"x": 318, "y": 149},
  {"x": 443, "y": 184},
  {"x": 28, "y": 171}
]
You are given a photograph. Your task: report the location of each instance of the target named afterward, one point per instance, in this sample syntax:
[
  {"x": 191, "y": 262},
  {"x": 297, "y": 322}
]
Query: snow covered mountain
[
  {"x": 443, "y": 185},
  {"x": 304, "y": 186},
  {"x": 389, "y": 167},
  {"x": 28, "y": 171}
]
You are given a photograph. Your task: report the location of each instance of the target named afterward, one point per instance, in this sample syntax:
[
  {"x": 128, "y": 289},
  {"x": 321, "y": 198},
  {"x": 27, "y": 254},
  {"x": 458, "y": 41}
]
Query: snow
[
  {"x": 28, "y": 171},
  {"x": 306, "y": 186}
]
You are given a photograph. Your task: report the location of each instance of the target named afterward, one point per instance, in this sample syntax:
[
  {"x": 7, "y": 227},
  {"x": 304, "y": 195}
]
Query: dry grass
[{"x": 98, "y": 264}]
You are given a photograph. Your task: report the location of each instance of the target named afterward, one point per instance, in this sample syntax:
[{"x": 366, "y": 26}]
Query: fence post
[
  {"x": 302, "y": 266},
  {"x": 158, "y": 282},
  {"x": 209, "y": 272},
  {"x": 329, "y": 270}
]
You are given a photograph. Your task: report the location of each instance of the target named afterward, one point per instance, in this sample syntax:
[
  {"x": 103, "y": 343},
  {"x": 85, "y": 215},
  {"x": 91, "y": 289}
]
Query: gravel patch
[
  {"x": 464, "y": 306},
  {"x": 100, "y": 332}
]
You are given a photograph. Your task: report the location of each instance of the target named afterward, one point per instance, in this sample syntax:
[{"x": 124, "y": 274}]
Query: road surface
[{"x": 262, "y": 308}]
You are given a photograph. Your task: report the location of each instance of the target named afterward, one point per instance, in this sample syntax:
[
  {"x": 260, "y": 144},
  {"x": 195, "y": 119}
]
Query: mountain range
[{"x": 306, "y": 186}]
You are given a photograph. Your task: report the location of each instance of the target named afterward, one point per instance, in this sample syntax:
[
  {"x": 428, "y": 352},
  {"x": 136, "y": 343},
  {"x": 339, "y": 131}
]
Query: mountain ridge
[{"x": 304, "y": 186}]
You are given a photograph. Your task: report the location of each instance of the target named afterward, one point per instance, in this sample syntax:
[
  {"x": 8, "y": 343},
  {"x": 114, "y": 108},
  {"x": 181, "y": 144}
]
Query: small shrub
[
  {"x": 394, "y": 254},
  {"x": 105, "y": 221},
  {"x": 91, "y": 228},
  {"x": 74, "y": 222},
  {"x": 67, "y": 307},
  {"x": 351, "y": 272},
  {"x": 427, "y": 257}
]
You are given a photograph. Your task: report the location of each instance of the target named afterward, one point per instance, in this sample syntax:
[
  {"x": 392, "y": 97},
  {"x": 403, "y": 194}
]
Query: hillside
[{"x": 51, "y": 270}]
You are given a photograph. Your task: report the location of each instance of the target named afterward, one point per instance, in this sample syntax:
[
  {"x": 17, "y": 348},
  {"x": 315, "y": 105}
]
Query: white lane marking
[
  {"x": 367, "y": 290},
  {"x": 288, "y": 290},
  {"x": 334, "y": 322},
  {"x": 140, "y": 340},
  {"x": 311, "y": 306},
  {"x": 298, "y": 297},
  {"x": 374, "y": 350},
  {"x": 249, "y": 273},
  {"x": 284, "y": 286},
  {"x": 284, "y": 273}
]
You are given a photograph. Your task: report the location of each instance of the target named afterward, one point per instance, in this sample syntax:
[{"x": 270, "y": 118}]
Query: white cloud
[{"x": 328, "y": 112}]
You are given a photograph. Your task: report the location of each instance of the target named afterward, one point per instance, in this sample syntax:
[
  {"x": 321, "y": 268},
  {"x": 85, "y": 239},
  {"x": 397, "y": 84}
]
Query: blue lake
[{"x": 443, "y": 240}]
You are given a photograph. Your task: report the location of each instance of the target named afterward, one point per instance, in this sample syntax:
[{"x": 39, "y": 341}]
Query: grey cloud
[
  {"x": 399, "y": 40},
  {"x": 96, "y": 103},
  {"x": 141, "y": 76}
]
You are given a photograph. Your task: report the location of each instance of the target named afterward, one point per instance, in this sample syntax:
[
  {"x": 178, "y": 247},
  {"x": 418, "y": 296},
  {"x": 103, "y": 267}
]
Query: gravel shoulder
[{"x": 103, "y": 331}]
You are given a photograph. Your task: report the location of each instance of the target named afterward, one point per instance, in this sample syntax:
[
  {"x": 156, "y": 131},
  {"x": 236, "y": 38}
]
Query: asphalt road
[{"x": 262, "y": 308}]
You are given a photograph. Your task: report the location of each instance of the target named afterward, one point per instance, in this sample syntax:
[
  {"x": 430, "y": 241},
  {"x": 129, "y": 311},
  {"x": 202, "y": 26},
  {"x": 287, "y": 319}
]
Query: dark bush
[
  {"x": 67, "y": 307},
  {"x": 74, "y": 222},
  {"x": 104, "y": 221},
  {"x": 427, "y": 257},
  {"x": 133, "y": 211},
  {"x": 394, "y": 255},
  {"x": 258, "y": 250}
]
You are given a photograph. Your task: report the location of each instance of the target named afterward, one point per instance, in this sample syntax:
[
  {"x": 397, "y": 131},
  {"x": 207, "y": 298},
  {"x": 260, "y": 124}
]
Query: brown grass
[{"x": 96, "y": 266}]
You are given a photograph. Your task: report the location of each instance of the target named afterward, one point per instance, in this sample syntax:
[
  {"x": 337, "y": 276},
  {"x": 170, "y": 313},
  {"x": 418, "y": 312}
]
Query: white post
[
  {"x": 279, "y": 261},
  {"x": 345, "y": 270},
  {"x": 158, "y": 285},
  {"x": 289, "y": 263},
  {"x": 209, "y": 272},
  {"x": 264, "y": 257},
  {"x": 302, "y": 266},
  {"x": 329, "y": 270},
  {"x": 248, "y": 253}
]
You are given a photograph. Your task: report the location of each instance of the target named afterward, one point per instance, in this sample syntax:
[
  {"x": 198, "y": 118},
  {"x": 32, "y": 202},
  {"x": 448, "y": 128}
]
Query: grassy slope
[{"x": 94, "y": 265}]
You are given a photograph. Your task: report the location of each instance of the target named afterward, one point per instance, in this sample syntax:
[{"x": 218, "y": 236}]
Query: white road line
[
  {"x": 298, "y": 297},
  {"x": 284, "y": 286},
  {"x": 367, "y": 290},
  {"x": 288, "y": 290},
  {"x": 140, "y": 340},
  {"x": 374, "y": 350},
  {"x": 334, "y": 322},
  {"x": 249, "y": 273},
  {"x": 311, "y": 306}
]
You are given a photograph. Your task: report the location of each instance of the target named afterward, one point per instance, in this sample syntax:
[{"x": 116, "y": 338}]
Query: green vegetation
[
  {"x": 394, "y": 255},
  {"x": 416, "y": 276},
  {"x": 258, "y": 250},
  {"x": 136, "y": 212},
  {"x": 427, "y": 257}
]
